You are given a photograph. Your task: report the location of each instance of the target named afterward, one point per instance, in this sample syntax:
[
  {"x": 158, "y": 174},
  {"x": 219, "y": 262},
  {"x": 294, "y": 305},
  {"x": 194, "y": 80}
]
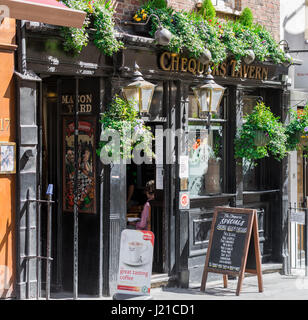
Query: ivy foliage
[
  {"x": 192, "y": 32},
  {"x": 101, "y": 12},
  {"x": 261, "y": 119}
]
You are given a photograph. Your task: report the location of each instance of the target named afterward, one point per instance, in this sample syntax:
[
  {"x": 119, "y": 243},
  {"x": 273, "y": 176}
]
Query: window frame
[{"x": 223, "y": 122}]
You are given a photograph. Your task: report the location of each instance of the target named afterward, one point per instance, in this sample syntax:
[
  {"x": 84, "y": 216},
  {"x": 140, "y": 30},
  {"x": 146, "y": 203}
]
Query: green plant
[
  {"x": 122, "y": 119},
  {"x": 101, "y": 12},
  {"x": 192, "y": 33},
  {"x": 297, "y": 127},
  {"x": 235, "y": 45},
  {"x": 261, "y": 119},
  {"x": 104, "y": 37},
  {"x": 246, "y": 17},
  {"x": 157, "y": 4},
  {"x": 207, "y": 10}
]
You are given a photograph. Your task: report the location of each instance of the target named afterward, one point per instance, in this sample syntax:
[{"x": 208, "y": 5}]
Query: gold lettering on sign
[
  {"x": 264, "y": 73},
  {"x": 200, "y": 71},
  {"x": 223, "y": 69},
  {"x": 246, "y": 69},
  {"x": 233, "y": 63},
  {"x": 162, "y": 61},
  {"x": 258, "y": 73},
  {"x": 184, "y": 64},
  {"x": 251, "y": 71},
  {"x": 192, "y": 66},
  {"x": 84, "y": 103},
  {"x": 173, "y": 62},
  {"x": 215, "y": 71}
]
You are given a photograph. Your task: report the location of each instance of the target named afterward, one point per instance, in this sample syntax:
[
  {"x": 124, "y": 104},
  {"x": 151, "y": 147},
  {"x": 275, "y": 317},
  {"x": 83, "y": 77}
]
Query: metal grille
[{"x": 297, "y": 238}]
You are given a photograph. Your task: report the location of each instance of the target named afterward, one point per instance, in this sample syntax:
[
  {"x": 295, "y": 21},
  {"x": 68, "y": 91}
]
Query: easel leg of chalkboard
[
  {"x": 225, "y": 277},
  {"x": 239, "y": 283},
  {"x": 258, "y": 254},
  {"x": 203, "y": 283}
]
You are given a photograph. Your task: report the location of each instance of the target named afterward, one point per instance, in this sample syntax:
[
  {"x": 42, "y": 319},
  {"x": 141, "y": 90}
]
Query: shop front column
[
  {"x": 238, "y": 95},
  {"x": 182, "y": 216},
  {"x": 27, "y": 180},
  {"x": 117, "y": 217},
  {"x": 284, "y": 187}
]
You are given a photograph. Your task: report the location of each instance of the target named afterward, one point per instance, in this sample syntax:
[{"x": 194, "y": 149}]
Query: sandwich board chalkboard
[{"x": 233, "y": 246}]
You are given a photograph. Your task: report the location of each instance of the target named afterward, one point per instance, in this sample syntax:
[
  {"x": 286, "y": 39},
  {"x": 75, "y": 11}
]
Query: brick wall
[{"x": 266, "y": 12}]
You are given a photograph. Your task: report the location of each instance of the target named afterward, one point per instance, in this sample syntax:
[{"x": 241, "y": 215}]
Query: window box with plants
[{"x": 196, "y": 32}]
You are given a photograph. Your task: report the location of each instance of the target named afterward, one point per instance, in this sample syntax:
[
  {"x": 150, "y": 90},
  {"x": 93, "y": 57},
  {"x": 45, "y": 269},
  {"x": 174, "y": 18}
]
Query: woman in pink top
[{"x": 149, "y": 191}]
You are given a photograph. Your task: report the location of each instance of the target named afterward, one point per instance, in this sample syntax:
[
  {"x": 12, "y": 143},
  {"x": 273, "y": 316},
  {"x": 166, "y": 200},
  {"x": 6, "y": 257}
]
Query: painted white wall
[{"x": 293, "y": 21}]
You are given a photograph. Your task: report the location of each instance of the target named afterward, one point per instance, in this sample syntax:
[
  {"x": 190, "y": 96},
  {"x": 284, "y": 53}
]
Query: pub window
[{"x": 206, "y": 151}]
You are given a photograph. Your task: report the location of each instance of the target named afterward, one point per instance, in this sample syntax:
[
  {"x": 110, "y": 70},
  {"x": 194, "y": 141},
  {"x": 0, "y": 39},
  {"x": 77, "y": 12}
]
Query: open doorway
[
  {"x": 57, "y": 127},
  {"x": 137, "y": 177}
]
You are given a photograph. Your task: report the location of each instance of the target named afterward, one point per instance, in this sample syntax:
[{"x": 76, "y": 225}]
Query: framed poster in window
[
  {"x": 86, "y": 164},
  {"x": 7, "y": 157}
]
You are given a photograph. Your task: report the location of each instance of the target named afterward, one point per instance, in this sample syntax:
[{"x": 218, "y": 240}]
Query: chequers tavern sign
[{"x": 174, "y": 62}]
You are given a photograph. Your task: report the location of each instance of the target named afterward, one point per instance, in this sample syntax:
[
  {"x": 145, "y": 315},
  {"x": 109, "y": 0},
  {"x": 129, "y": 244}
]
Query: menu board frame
[{"x": 252, "y": 230}]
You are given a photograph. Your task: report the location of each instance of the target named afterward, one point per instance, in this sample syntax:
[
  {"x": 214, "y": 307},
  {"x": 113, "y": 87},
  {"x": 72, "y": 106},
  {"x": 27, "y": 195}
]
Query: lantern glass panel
[
  {"x": 146, "y": 98},
  {"x": 216, "y": 98},
  {"x": 204, "y": 98},
  {"x": 133, "y": 95}
]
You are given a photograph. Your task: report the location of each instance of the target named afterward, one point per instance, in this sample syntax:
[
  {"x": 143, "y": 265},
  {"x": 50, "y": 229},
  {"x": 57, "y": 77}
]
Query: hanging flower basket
[
  {"x": 297, "y": 130},
  {"x": 261, "y": 135},
  {"x": 261, "y": 138}
]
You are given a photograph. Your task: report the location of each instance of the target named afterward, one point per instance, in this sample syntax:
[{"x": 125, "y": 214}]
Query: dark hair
[{"x": 150, "y": 187}]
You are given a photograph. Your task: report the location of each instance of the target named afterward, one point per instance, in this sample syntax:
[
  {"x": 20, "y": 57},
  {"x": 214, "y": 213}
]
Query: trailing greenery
[
  {"x": 101, "y": 12},
  {"x": 246, "y": 17},
  {"x": 122, "y": 117},
  {"x": 297, "y": 127},
  {"x": 261, "y": 119},
  {"x": 193, "y": 31}
]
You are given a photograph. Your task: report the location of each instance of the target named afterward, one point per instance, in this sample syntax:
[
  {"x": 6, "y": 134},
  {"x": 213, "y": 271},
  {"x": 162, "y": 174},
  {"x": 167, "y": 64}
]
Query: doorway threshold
[{"x": 159, "y": 280}]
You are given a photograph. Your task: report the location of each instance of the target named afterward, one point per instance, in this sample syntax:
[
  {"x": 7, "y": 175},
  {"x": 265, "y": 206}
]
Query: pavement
[{"x": 275, "y": 285}]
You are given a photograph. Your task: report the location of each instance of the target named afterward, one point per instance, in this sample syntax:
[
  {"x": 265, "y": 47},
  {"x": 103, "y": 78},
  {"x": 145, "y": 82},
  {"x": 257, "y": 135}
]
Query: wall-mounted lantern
[
  {"x": 208, "y": 94},
  {"x": 139, "y": 91}
]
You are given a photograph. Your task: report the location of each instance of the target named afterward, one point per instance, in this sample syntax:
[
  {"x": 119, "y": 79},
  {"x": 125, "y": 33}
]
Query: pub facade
[{"x": 46, "y": 100}]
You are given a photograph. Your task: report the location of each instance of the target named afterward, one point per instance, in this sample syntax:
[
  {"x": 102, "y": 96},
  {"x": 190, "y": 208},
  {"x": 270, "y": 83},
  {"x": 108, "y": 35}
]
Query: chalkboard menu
[
  {"x": 234, "y": 245},
  {"x": 230, "y": 232}
]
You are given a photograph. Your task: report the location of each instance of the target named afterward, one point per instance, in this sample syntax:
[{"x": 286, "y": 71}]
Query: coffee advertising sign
[{"x": 135, "y": 262}]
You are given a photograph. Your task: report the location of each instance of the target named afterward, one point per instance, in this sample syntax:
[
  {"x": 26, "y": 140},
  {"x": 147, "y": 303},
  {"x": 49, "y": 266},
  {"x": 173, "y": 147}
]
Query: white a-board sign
[{"x": 135, "y": 262}]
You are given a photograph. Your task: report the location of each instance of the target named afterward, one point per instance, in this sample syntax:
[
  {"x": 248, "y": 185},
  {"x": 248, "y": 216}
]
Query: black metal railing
[
  {"x": 38, "y": 255},
  {"x": 298, "y": 238}
]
